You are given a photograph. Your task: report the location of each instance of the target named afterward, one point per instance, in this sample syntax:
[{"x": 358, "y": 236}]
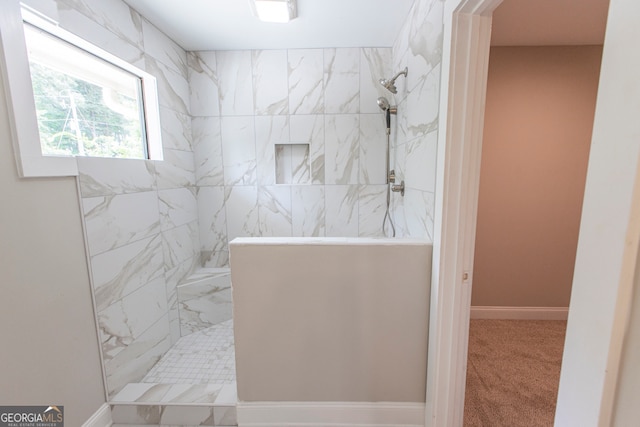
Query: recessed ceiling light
[{"x": 274, "y": 10}]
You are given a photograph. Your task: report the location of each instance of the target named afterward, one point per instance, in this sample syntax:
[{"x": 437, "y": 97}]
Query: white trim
[
  {"x": 520, "y": 313},
  {"x": 467, "y": 33},
  {"x": 100, "y": 418},
  {"x": 335, "y": 414}
]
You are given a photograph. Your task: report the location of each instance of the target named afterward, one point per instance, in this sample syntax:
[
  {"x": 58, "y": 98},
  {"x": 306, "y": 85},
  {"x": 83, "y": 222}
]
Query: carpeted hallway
[{"x": 513, "y": 372}]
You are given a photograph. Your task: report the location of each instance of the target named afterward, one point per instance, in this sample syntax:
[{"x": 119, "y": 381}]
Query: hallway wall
[{"x": 538, "y": 121}]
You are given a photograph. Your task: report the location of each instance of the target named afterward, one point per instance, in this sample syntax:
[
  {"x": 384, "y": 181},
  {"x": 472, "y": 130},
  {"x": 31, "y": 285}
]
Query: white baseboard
[
  {"x": 520, "y": 313},
  {"x": 101, "y": 418},
  {"x": 330, "y": 414}
]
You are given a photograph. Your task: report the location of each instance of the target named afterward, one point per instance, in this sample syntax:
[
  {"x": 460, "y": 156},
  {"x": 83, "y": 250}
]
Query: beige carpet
[{"x": 513, "y": 372}]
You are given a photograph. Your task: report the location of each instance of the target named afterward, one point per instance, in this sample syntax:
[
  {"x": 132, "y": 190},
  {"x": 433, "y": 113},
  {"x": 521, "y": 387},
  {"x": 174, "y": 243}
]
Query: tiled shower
[{"x": 256, "y": 143}]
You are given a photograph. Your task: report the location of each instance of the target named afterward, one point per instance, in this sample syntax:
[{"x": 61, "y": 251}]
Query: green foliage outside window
[{"x": 74, "y": 120}]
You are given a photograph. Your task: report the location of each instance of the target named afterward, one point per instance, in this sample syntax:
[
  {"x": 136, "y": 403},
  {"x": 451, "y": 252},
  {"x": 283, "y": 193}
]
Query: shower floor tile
[{"x": 203, "y": 357}]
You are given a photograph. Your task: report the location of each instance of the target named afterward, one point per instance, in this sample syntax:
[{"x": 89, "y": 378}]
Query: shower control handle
[{"x": 398, "y": 188}]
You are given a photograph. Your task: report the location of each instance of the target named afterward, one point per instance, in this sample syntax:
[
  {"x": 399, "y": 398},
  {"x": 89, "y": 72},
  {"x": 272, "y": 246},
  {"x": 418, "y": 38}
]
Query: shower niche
[{"x": 292, "y": 163}]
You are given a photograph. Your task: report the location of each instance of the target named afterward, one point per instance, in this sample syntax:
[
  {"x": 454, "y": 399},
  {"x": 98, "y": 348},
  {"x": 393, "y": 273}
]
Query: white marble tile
[
  {"x": 373, "y": 149},
  {"x": 270, "y": 130},
  {"x": 242, "y": 211},
  {"x": 204, "y": 304},
  {"x": 187, "y": 415},
  {"x": 203, "y": 82},
  {"x": 213, "y": 221},
  {"x": 132, "y": 392},
  {"x": 234, "y": 83},
  {"x": 215, "y": 258},
  {"x": 177, "y": 170},
  {"x": 341, "y": 80},
  {"x": 118, "y": 272},
  {"x": 102, "y": 176},
  {"x": 309, "y": 129},
  {"x": 79, "y": 24},
  {"x": 124, "y": 321},
  {"x": 274, "y": 210},
  {"x": 228, "y": 395},
  {"x": 342, "y": 148},
  {"x": 420, "y": 170},
  {"x": 177, "y": 207},
  {"x": 136, "y": 414},
  {"x": 192, "y": 393},
  {"x": 341, "y": 204},
  {"x": 116, "y": 220},
  {"x": 292, "y": 164},
  {"x": 418, "y": 212},
  {"x": 239, "y": 150},
  {"x": 165, "y": 415},
  {"x": 132, "y": 363},
  {"x": 163, "y": 49},
  {"x": 207, "y": 147},
  {"x": 270, "y": 83},
  {"x": 180, "y": 244},
  {"x": 173, "y": 87},
  {"x": 398, "y": 214},
  {"x": 114, "y": 15},
  {"x": 205, "y": 358},
  {"x": 372, "y": 203},
  {"x": 399, "y": 131},
  {"x": 225, "y": 415},
  {"x": 174, "y": 320},
  {"x": 424, "y": 39},
  {"x": 307, "y": 210},
  {"x": 306, "y": 81},
  {"x": 177, "y": 275},
  {"x": 423, "y": 106},
  {"x": 399, "y": 160},
  {"x": 48, "y": 8},
  {"x": 176, "y": 130},
  {"x": 375, "y": 64}
]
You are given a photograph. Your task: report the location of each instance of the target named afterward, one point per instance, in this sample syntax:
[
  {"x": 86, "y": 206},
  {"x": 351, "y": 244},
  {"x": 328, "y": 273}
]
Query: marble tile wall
[
  {"x": 149, "y": 224},
  {"x": 323, "y": 100},
  {"x": 141, "y": 216},
  {"x": 418, "y": 47}
]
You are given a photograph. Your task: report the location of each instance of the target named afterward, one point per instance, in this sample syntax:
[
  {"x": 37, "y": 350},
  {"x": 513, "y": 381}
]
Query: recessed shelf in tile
[{"x": 292, "y": 164}]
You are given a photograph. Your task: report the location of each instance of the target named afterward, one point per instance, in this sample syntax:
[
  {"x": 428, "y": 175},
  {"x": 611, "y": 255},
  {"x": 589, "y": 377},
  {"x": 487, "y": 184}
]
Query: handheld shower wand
[{"x": 383, "y": 103}]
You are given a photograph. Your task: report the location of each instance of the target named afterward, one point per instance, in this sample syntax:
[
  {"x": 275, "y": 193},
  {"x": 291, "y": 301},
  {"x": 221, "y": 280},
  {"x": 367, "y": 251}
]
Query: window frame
[{"x": 20, "y": 98}]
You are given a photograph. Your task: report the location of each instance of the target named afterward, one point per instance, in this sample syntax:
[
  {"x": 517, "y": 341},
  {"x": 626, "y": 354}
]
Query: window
[{"x": 70, "y": 98}]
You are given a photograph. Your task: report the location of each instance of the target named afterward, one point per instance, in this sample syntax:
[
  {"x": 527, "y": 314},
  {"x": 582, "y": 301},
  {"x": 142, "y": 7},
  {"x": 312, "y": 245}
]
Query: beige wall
[
  {"x": 538, "y": 122},
  {"x": 48, "y": 344},
  {"x": 339, "y": 320}
]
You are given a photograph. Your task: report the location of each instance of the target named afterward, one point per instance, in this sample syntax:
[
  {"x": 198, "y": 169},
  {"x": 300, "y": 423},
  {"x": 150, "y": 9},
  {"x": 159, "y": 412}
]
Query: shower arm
[{"x": 403, "y": 72}]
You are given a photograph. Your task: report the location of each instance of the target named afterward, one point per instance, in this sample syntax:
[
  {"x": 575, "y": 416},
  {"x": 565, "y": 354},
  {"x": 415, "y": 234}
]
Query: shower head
[
  {"x": 383, "y": 103},
  {"x": 390, "y": 84}
]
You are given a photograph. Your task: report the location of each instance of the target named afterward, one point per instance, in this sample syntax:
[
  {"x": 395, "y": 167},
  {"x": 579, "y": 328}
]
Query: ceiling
[{"x": 229, "y": 24}]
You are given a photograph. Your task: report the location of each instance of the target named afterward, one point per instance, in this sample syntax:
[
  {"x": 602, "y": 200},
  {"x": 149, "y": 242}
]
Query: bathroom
[
  {"x": 52, "y": 347},
  {"x": 228, "y": 119}
]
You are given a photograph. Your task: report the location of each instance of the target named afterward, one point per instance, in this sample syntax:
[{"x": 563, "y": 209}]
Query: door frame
[
  {"x": 609, "y": 230},
  {"x": 466, "y": 43}
]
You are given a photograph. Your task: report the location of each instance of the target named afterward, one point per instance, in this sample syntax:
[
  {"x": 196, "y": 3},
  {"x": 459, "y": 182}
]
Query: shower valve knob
[{"x": 398, "y": 188}]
